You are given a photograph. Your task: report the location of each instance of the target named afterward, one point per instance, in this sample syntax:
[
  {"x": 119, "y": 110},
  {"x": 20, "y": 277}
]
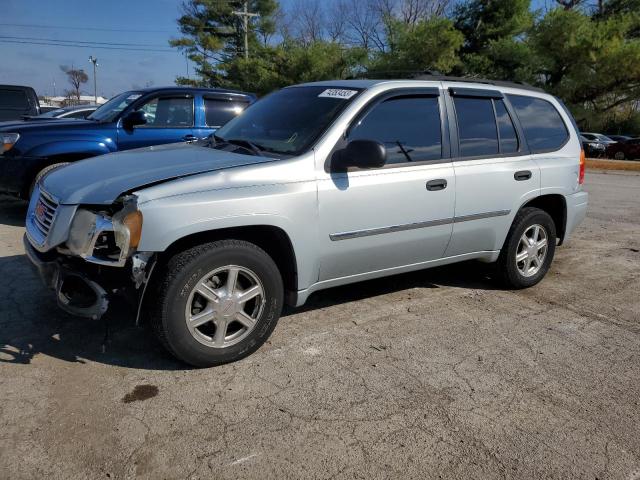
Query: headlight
[
  {"x": 8, "y": 141},
  {"x": 103, "y": 239}
]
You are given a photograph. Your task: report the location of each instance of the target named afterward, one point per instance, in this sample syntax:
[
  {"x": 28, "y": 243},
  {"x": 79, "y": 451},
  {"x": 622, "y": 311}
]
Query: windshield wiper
[{"x": 257, "y": 149}]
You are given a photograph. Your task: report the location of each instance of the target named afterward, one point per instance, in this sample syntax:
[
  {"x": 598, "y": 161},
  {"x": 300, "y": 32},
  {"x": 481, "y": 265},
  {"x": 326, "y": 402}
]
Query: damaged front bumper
[{"x": 76, "y": 292}]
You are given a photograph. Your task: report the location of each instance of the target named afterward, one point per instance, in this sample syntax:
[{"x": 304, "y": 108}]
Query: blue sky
[{"x": 148, "y": 22}]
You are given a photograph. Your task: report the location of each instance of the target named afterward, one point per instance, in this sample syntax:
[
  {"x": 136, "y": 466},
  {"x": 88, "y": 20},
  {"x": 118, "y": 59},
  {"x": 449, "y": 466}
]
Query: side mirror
[
  {"x": 360, "y": 154},
  {"x": 134, "y": 118}
]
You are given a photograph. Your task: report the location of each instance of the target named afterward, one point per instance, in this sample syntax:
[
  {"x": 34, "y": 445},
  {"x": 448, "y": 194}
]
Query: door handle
[
  {"x": 522, "y": 175},
  {"x": 189, "y": 138},
  {"x": 434, "y": 185}
]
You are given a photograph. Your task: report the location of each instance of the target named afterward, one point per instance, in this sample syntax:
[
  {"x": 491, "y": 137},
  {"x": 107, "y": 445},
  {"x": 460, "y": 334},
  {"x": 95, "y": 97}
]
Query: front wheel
[
  {"x": 528, "y": 250},
  {"x": 619, "y": 156},
  {"x": 217, "y": 302}
]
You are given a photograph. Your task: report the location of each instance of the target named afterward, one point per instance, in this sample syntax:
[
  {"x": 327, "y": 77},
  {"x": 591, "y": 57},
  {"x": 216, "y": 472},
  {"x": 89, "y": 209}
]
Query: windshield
[
  {"x": 110, "y": 110},
  {"x": 289, "y": 120}
]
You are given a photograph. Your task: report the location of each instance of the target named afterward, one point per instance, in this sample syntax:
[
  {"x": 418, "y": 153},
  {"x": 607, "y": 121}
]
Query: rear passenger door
[
  {"x": 494, "y": 171},
  {"x": 218, "y": 110}
]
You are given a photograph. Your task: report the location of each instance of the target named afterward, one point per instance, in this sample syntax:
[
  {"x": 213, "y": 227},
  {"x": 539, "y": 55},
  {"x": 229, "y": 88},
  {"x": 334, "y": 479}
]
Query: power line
[
  {"x": 88, "y": 46},
  {"x": 30, "y": 25},
  {"x": 57, "y": 40}
]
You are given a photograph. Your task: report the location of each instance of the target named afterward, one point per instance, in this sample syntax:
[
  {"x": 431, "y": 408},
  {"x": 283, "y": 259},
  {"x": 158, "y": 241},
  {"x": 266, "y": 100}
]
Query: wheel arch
[
  {"x": 556, "y": 206},
  {"x": 272, "y": 239}
]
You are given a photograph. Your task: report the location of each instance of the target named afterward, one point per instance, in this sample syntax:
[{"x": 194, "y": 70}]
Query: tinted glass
[
  {"x": 219, "y": 112},
  {"x": 13, "y": 99},
  {"x": 543, "y": 127},
  {"x": 289, "y": 120},
  {"x": 508, "y": 137},
  {"x": 408, "y": 126},
  {"x": 79, "y": 114},
  {"x": 168, "y": 112},
  {"x": 477, "y": 131},
  {"x": 110, "y": 110}
]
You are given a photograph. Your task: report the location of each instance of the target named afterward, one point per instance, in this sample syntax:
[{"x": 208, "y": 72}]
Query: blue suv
[{"x": 132, "y": 119}]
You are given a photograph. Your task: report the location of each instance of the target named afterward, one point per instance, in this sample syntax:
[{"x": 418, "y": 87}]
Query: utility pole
[
  {"x": 245, "y": 14},
  {"x": 95, "y": 81}
]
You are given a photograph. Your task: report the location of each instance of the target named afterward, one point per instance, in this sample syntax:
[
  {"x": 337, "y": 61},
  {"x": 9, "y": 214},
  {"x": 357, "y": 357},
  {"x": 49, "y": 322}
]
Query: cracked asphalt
[{"x": 435, "y": 374}]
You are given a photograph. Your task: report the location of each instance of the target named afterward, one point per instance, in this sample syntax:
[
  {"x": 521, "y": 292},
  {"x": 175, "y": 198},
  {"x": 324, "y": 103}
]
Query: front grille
[{"x": 43, "y": 214}]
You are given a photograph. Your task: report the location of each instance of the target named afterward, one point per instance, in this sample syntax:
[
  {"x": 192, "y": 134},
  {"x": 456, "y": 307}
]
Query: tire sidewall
[
  {"x": 182, "y": 342},
  {"x": 516, "y": 279}
]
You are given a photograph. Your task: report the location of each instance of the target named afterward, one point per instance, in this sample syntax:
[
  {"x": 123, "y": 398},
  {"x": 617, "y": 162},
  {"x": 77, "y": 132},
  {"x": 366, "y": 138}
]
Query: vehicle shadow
[
  {"x": 470, "y": 274},
  {"x": 12, "y": 211},
  {"x": 31, "y": 323}
]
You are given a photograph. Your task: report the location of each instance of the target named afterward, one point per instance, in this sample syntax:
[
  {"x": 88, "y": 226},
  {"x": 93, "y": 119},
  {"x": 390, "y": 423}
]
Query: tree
[
  {"x": 493, "y": 38},
  {"x": 76, "y": 78},
  {"x": 426, "y": 45},
  {"x": 593, "y": 65},
  {"x": 213, "y": 35}
]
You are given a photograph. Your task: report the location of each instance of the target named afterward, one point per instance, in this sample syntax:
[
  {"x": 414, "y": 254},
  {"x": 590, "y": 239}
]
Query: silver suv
[{"x": 314, "y": 186}]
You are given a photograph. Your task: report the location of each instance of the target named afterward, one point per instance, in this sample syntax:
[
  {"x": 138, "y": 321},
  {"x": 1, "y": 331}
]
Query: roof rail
[
  {"x": 497, "y": 83},
  {"x": 437, "y": 76}
]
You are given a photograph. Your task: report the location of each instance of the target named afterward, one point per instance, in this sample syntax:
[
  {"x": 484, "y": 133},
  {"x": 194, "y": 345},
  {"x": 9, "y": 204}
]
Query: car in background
[
  {"x": 592, "y": 148},
  {"x": 620, "y": 138},
  {"x": 628, "y": 150},
  {"x": 76, "y": 111},
  {"x": 139, "y": 118},
  {"x": 597, "y": 137},
  {"x": 17, "y": 101}
]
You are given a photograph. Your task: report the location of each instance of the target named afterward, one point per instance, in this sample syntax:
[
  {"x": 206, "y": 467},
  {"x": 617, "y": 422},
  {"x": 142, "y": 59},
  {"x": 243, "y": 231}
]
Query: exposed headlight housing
[
  {"x": 8, "y": 141},
  {"x": 106, "y": 239}
]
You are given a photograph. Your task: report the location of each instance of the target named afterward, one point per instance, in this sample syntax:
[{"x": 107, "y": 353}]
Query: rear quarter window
[
  {"x": 543, "y": 126},
  {"x": 13, "y": 99}
]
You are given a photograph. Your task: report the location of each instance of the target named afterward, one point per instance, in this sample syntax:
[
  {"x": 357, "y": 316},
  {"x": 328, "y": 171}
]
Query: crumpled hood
[{"x": 100, "y": 180}]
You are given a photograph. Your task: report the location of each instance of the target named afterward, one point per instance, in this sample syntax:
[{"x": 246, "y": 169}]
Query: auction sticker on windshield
[{"x": 338, "y": 93}]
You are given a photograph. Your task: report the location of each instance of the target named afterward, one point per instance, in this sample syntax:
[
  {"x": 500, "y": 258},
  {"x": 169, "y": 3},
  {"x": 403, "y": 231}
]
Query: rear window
[
  {"x": 13, "y": 99},
  {"x": 218, "y": 112},
  {"x": 543, "y": 126}
]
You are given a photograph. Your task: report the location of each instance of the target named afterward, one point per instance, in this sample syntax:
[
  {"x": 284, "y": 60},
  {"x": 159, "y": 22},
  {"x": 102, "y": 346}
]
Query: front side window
[
  {"x": 168, "y": 112},
  {"x": 408, "y": 126},
  {"x": 218, "y": 112},
  {"x": 288, "y": 121},
  {"x": 543, "y": 126},
  {"x": 477, "y": 132}
]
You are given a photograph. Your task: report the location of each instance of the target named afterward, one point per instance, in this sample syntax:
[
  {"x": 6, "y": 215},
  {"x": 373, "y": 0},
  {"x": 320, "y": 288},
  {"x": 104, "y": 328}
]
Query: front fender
[{"x": 86, "y": 148}]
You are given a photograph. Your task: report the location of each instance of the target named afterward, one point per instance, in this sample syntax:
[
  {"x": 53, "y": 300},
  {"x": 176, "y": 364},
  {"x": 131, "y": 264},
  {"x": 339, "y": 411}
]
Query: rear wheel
[
  {"x": 41, "y": 174},
  {"x": 217, "y": 302},
  {"x": 528, "y": 250}
]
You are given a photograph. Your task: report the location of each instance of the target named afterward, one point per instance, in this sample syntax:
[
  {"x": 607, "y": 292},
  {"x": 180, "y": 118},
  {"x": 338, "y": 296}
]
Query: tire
[
  {"x": 518, "y": 274},
  {"x": 41, "y": 174},
  {"x": 208, "y": 268},
  {"x": 619, "y": 156}
]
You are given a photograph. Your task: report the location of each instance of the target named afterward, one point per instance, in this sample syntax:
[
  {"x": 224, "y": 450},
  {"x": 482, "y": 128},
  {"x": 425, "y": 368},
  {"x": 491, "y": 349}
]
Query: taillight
[{"x": 582, "y": 165}]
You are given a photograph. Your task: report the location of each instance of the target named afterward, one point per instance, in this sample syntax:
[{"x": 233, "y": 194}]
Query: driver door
[
  {"x": 375, "y": 220},
  {"x": 170, "y": 119}
]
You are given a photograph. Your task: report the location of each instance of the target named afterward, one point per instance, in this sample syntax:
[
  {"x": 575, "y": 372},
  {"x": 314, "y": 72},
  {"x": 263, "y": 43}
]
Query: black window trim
[
  {"x": 434, "y": 92},
  {"x": 221, "y": 98},
  {"x": 546, "y": 150},
  {"x": 523, "y": 148},
  {"x": 475, "y": 92},
  {"x": 141, "y": 102}
]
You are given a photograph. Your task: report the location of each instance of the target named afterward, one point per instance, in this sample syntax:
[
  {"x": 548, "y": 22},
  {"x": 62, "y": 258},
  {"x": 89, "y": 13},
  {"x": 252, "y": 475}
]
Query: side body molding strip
[{"x": 412, "y": 226}]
